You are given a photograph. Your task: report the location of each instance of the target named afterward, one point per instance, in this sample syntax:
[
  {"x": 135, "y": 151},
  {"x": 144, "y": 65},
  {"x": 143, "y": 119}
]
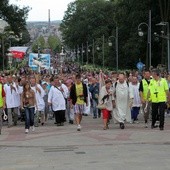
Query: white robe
[
  {"x": 65, "y": 91},
  {"x": 39, "y": 98},
  {"x": 12, "y": 97},
  {"x": 136, "y": 99},
  {"x": 122, "y": 111},
  {"x": 56, "y": 98},
  {"x": 87, "y": 108}
]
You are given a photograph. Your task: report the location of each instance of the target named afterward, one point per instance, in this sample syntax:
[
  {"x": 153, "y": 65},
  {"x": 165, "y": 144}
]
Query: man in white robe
[
  {"x": 12, "y": 92},
  {"x": 123, "y": 101},
  {"x": 56, "y": 99}
]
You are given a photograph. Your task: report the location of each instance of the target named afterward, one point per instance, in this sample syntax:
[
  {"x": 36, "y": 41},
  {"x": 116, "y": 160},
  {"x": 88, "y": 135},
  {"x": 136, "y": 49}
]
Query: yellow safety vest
[
  {"x": 158, "y": 90},
  {"x": 145, "y": 88},
  {"x": 1, "y": 98}
]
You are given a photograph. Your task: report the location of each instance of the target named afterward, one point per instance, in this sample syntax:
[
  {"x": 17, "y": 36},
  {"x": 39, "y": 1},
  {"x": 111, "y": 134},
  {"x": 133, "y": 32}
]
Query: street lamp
[
  {"x": 98, "y": 48},
  {"x": 62, "y": 57},
  {"x": 140, "y": 33},
  {"x": 94, "y": 46},
  {"x": 78, "y": 54},
  {"x": 87, "y": 51},
  {"x": 117, "y": 49},
  {"x": 10, "y": 59},
  {"x": 82, "y": 52},
  {"x": 168, "y": 38}
]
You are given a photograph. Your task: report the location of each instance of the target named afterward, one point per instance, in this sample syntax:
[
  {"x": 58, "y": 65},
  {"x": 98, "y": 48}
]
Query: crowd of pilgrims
[{"x": 36, "y": 98}]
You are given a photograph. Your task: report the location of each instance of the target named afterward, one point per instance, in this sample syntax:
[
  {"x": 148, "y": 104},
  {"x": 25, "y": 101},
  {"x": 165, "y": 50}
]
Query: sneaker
[
  {"x": 154, "y": 126},
  {"x": 157, "y": 123},
  {"x": 146, "y": 125},
  {"x": 26, "y": 131},
  {"x": 78, "y": 128},
  {"x": 33, "y": 128},
  {"x": 131, "y": 122}
]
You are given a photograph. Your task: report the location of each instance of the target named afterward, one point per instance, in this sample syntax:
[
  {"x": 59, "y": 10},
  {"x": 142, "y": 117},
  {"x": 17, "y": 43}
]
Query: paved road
[{"x": 63, "y": 148}]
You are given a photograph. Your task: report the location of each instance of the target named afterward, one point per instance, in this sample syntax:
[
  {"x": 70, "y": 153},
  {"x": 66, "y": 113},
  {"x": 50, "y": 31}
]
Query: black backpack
[{"x": 126, "y": 82}]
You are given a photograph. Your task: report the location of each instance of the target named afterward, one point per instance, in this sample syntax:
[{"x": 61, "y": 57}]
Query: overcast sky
[{"x": 40, "y": 8}]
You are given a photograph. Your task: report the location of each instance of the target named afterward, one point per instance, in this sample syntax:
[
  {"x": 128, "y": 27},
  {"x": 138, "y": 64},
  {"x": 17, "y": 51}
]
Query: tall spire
[{"x": 49, "y": 22}]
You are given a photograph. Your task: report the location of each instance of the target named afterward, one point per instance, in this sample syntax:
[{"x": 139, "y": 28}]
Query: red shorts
[{"x": 106, "y": 113}]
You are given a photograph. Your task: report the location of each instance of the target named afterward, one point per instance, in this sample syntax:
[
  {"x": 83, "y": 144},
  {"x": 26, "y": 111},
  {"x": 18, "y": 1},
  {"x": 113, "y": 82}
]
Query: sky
[{"x": 39, "y": 11}]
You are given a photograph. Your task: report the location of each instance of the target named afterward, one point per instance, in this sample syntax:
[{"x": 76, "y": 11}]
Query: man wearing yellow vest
[
  {"x": 2, "y": 102},
  {"x": 158, "y": 93},
  {"x": 143, "y": 91}
]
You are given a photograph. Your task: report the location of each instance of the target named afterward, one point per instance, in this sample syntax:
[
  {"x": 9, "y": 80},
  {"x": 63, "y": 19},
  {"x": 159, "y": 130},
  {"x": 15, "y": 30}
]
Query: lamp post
[
  {"x": 87, "y": 51},
  {"x": 168, "y": 39},
  {"x": 93, "y": 51},
  {"x": 98, "y": 48},
  {"x": 103, "y": 51},
  {"x": 117, "y": 47},
  {"x": 78, "y": 53},
  {"x": 10, "y": 58},
  {"x": 140, "y": 33},
  {"x": 39, "y": 67},
  {"x": 62, "y": 57},
  {"x": 82, "y": 52}
]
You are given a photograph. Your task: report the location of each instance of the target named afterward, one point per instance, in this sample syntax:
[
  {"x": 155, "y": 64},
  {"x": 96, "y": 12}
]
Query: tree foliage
[
  {"x": 54, "y": 43},
  {"x": 39, "y": 44},
  {"x": 86, "y": 20},
  {"x": 14, "y": 16}
]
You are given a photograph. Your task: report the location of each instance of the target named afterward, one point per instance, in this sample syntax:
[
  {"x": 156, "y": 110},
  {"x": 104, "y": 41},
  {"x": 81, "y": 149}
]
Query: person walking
[
  {"x": 57, "y": 101},
  {"x": 28, "y": 102},
  {"x": 136, "y": 100},
  {"x": 12, "y": 92},
  {"x": 2, "y": 103},
  {"x": 143, "y": 91},
  {"x": 46, "y": 111},
  {"x": 78, "y": 97},
  {"x": 69, "y": 109},
  {"x": 123, "y": 100},
  {"x": 94, "y": 90},
  {"x": 106, "y": 98},
  {"x": 39, "y": 95},
  {"x": 158, "y": 92}
]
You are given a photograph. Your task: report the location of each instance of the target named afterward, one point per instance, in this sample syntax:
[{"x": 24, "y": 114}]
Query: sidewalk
[{"x": 64, "y": 148}]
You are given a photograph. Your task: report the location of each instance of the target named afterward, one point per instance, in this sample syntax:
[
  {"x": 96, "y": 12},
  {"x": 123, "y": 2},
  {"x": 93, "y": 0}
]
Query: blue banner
[{"x": 39, "y": 60}]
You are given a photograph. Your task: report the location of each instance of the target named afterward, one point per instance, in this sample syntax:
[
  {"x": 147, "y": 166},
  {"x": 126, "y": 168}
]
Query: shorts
[
  {"x": 106, "y": 113},
  {"x": 78, "y": 108}
]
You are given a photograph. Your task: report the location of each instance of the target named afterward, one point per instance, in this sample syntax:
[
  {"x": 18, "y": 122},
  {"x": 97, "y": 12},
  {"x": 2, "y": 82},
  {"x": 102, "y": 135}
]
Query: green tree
[
  {"x": 86, "y": 20},
  {"x": 39, "y": 44},
  {"x": 54, "y": 43},
  {"x": 25, "y": 38},
  {"x": 14, "y": 16}
]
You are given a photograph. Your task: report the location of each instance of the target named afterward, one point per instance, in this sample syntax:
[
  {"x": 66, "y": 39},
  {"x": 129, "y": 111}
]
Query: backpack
[
  {"x": 116, "y": 86},
  {"x": 126, "y": 82}
]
